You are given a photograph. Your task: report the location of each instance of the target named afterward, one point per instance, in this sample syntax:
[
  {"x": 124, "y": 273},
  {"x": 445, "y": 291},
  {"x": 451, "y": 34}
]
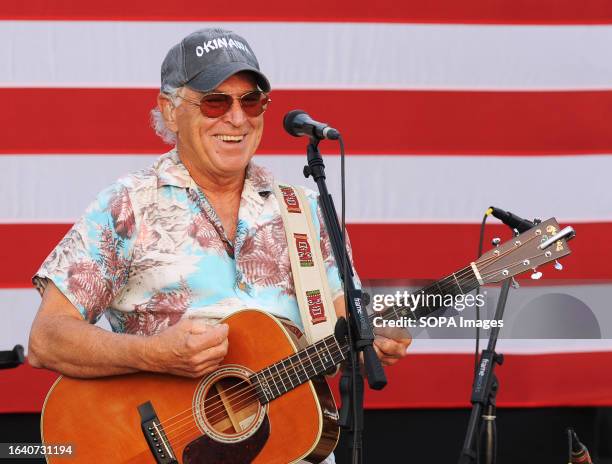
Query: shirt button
[{"x": 242, "y": 286}]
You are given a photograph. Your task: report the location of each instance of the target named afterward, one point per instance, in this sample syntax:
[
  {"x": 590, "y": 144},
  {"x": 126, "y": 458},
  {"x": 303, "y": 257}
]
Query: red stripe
[
  {"x": 440, "y": 11},
  {"x": 415, "y": 251},
  {"x": 394, "y": 122},
  {"x": 430, "y": 251},
  {"x": 445, "y": 381},
  {"x": 419, "y": 381}
]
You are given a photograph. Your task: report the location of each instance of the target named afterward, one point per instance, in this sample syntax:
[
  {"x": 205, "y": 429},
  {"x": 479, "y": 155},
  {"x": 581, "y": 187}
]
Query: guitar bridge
[{"x": 155, "y": 436}]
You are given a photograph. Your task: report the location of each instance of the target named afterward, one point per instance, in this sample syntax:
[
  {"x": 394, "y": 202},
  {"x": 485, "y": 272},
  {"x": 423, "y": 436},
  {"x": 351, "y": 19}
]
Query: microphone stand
[
  {"x": 486, "y": 384},
  {"x": 358, "y": 330},
  {"x": 484, "y": 392}
]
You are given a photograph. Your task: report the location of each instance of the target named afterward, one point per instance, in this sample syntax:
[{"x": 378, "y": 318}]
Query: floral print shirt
[{"x": 151, "y": 249}]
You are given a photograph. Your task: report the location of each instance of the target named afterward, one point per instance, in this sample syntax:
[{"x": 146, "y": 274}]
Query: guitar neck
[
  {"x": 283, "y": 376},
  {"x": 433, "y": 297},
  {"x": 318, "y": 358}
]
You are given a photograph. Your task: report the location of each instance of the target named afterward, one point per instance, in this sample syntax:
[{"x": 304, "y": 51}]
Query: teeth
[{"x": 230, "y": 138}]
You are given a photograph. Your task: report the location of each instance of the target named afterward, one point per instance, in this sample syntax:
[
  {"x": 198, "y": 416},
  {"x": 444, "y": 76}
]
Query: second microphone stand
[{"x": 360, "y": 334}]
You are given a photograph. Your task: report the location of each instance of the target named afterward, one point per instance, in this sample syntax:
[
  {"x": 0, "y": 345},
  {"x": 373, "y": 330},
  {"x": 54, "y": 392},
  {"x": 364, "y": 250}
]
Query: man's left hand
[{"x": 390, "y": 350}]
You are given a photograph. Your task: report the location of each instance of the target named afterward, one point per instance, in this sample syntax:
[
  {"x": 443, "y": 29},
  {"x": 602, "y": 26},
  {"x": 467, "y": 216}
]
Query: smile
[{"x": 229, "y": 138}]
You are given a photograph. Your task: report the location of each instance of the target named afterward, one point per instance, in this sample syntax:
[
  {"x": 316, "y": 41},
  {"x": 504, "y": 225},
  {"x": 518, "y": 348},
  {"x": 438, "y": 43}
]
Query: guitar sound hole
[{"x": 231, "y": 406}]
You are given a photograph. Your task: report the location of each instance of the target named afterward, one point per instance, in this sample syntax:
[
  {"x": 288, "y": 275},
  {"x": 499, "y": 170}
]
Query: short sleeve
[
  {"x": 331, "y": 267},
  {"x": 91, "y": 263}
]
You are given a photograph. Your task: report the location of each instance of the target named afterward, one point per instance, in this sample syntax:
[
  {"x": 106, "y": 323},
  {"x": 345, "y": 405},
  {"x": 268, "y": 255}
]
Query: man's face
[{"x": 200, "y": 139}]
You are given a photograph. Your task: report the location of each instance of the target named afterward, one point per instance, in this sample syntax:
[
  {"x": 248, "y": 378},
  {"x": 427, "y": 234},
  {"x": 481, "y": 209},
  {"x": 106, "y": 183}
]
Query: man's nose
[{"x": 236, "y": 115}]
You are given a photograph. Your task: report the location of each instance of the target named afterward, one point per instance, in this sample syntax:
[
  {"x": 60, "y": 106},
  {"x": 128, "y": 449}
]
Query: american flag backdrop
[{"x": 446, "y": 107}]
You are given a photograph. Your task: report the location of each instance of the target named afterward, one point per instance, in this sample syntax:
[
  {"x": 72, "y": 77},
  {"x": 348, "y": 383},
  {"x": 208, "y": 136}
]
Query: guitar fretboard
[
  {"x": 458, "y": 283},
  {"x": 278, "y": 378},
  {"x": 283, "y": 376}
]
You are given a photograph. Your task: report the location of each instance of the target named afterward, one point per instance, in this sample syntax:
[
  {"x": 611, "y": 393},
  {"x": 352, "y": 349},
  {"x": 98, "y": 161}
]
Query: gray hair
[{"x": 157, "y": 119}]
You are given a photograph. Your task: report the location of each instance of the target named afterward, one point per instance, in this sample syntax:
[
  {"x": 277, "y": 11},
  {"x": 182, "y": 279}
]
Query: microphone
[
  {"x": 580, "y": 453},
  {"x": 510, "y": 219},
  {"x": 298, "y": 123}
]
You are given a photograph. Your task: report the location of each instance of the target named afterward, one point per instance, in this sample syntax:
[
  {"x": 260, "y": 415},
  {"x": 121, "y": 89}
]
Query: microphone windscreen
[{"x": 288, "y": 121}]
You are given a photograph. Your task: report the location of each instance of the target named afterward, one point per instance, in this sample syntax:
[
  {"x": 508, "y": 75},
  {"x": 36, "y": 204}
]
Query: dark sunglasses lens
[
  {"x": 215, "y": 105},
  {"x": 254, "y": 103}
]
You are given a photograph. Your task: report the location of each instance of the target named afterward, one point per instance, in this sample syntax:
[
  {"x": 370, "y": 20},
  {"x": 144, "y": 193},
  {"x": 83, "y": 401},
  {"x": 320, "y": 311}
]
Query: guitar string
[
  {"x": 269, "y": 378},
  {"x": 518, "y": 263},
  {"x": 274, "y": 377},
  {"x": 191, "y": 426},
  {"x": 492, "y": 259},
  {"x": 510, "y": 250},
  {"x": 481, "y": 264},
  {"x": 463, "y": 276},
  {"x": 459, "y": 275},
  {"x": 173, "y": 431},
  {"x": 174, "y": 436},
  {"x": 289, "y": 377}
]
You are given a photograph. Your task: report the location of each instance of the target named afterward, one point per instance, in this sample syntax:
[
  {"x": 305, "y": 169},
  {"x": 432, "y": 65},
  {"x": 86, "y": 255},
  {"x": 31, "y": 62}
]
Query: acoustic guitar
[{"x": 267, "y": 403}]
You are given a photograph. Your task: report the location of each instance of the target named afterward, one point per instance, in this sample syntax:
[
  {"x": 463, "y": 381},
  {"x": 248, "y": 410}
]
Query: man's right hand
[{"x": 190, "y": 348}]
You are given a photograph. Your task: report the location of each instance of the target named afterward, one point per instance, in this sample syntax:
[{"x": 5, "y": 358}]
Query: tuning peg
[
  {"x": 515, "y": 284},
  {"x": 558, "y": 265},
  {"x": 496, "y": 241},
  {"x": 536, "y": 274}
]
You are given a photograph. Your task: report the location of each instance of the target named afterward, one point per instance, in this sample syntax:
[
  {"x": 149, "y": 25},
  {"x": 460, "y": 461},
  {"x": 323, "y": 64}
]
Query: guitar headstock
[{"x": 539, "y": 245}]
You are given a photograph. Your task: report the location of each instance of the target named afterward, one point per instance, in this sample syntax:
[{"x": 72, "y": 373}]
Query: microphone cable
[
  {"x": 477, "y": 316},
  {"x": 480, "y": 247},
  {"x": 356, "y": 458}
]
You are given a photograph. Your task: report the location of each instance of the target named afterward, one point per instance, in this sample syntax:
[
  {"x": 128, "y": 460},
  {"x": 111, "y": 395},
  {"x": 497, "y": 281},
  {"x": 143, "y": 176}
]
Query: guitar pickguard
[{"x": 205, "y": 450}]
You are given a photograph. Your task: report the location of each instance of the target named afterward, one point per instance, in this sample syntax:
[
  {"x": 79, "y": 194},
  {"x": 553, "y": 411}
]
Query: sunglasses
[{"x": 216, "y": 104}]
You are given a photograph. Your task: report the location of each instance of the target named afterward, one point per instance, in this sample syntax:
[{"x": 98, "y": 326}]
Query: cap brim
[{"x": 208, "y": 80}]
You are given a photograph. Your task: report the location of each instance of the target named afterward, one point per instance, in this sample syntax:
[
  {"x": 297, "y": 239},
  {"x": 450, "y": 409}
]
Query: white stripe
[
  {"x": 525, "y": 346},
  {"x": 318, "y": 55},
  {"x": 18, "y": 308},
  {"x": 432, "y": 189}
]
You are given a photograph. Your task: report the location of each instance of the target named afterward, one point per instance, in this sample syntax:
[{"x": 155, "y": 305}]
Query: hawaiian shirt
[{"x": 151, "y": 249}]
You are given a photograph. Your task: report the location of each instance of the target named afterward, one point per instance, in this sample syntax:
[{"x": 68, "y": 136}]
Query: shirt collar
[{"x": 171, "y": 171}]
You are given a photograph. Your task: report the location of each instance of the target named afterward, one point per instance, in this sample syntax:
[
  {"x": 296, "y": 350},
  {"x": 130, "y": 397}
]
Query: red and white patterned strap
[{"x": 309, "y": 275}]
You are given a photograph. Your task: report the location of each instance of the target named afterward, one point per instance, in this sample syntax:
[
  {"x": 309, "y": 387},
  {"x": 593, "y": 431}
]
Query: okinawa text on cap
[{"x": 205, "y": 58}]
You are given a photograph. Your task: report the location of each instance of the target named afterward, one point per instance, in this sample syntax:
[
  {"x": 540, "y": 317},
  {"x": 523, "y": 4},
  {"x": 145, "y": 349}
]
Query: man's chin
[{"x": 233, "y": 162}]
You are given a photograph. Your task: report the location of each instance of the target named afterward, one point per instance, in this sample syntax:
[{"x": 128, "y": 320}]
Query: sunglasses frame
[{"x": 199, "y": 103}]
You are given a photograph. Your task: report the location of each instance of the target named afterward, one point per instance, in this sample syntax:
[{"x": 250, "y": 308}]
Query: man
[{"x": 167, "y": 251}]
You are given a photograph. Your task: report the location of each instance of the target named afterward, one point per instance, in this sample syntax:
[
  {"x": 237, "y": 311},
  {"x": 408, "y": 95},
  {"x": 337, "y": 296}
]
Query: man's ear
[{"x": 168, "y": 111}]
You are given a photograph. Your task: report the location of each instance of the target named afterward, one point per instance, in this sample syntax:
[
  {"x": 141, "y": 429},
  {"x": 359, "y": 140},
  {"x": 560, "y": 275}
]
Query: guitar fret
[
  {"x": 320, "y": 359},
  {"x": 285, "y": 368},
  {"x": 264, "y": 389},
  {"x": 326, "y": 359},
  {"x": 460, "y": 289},
  {"x": 274, "y": 383},
  {"x": 341, "y": 354},
  {"x": 329, "y": 352},
  {"x": 301, "y": 363},
  {"x": 314, "y": 371},
  {"x": 280, "y": 376},
  {"x": 295, "y": 370}
]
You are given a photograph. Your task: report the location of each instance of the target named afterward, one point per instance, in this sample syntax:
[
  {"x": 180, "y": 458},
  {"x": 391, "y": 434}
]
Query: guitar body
[{"x": 210, "y": 420}]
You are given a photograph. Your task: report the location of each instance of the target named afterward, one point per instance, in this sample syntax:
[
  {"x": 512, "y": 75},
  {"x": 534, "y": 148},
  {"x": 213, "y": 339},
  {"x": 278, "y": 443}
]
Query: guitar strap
[{"x": 309, "y": 275}]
